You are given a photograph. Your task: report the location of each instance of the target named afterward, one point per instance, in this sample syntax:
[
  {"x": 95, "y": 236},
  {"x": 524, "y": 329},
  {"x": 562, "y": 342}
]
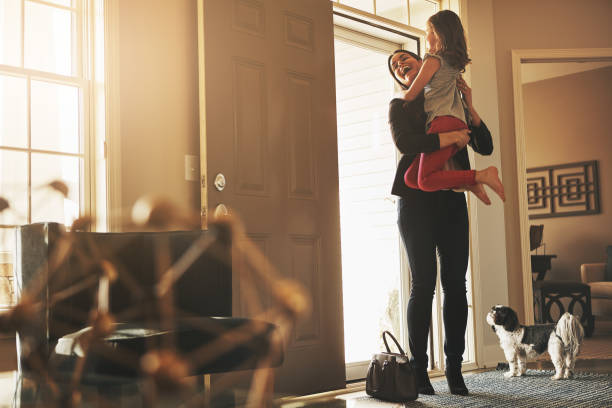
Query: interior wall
[
  {"x": 158, "y": 98},
  {"x": 567, "y": 119},
  {"x": 528, "y": 24},
  {"x": 488, "y": 245}
]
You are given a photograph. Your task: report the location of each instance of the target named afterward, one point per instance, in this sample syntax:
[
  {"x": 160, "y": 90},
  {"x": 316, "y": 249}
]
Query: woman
[{"x": 433, "y": 220}]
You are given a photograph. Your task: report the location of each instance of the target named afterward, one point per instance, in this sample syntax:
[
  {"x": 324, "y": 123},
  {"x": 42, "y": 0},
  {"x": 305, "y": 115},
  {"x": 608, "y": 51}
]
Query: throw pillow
[{"x": 608, "y": 274}]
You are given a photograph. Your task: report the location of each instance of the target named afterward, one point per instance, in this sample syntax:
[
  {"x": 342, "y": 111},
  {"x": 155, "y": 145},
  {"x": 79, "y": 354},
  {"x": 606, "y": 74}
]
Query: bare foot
[
  {"x": 480, "y": 193},
  {"x": 489, "y": 177}
]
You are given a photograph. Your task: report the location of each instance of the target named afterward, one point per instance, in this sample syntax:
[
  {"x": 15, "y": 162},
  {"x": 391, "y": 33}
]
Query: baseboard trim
[{"x": 493, "y": 355}]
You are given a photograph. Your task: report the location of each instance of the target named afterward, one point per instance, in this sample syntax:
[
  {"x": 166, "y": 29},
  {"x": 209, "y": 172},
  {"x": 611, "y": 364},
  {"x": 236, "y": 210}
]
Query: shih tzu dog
[{"x": 561, "y": 340}]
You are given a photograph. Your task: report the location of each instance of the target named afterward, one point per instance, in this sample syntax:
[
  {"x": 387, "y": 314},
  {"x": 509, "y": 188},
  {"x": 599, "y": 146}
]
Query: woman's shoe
[
  {"x": 423, "y": 384},
  {"x": 455, "y": 381}
]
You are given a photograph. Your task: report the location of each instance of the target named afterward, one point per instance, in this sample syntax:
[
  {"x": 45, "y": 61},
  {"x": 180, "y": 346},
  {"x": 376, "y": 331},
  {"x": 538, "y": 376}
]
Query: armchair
[
  {"x": 60, "y": 273},
  {"x": 594, "y": 274}
]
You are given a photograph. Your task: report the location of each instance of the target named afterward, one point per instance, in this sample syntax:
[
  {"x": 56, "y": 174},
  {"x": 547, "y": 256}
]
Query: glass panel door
[{"x": 368, "y": 217}]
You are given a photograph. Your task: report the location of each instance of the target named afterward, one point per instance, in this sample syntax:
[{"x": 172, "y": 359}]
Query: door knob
[
  {"x": 220, "y": 182},
  {"x": 220, "y": 211}
]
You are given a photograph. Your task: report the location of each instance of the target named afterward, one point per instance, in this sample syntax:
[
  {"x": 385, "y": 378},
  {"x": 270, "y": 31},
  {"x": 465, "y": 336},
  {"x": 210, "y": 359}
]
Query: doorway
[
  {"x": 372, "y": 251},
  {"x": 535, "y": 74},
  {"x": 370, "y": 243}
]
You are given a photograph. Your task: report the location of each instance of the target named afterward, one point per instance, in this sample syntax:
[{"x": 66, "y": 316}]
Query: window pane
[
  {"x": 14, "y": 186},
  {"x": 365, "y": 5},
  {"x": 393, "y": 9},
  {"x": 48, "y": 204},
  {"x": 67, "y": 3},
  {"x": 420, "y": 11},
  {"x": 7, "y": 246},
  {"x": 10, "y": 32},
  {"x": 55, "y": 117},
  {"x": 13, "y": 111},
  {"x": 48, "y": 38}
]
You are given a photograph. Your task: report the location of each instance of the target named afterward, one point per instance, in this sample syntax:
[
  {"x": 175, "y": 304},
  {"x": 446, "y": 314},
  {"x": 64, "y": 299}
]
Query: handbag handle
[{"x": 395, "y": 340}]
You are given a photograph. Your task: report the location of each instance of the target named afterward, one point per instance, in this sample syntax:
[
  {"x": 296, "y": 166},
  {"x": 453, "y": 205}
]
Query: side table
[
  {"x": 541, "y": 264},
  {"x": 551, "y": 292}
]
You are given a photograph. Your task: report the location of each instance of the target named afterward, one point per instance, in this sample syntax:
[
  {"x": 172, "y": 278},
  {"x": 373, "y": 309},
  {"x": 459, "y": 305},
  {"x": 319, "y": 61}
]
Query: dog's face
[{"x": 503, "y": 316}]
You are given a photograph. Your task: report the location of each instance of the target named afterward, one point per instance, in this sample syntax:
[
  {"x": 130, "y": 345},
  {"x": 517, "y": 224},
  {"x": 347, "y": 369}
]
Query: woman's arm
[
  {"x": 466, "y": 91},
  {"x": 480, "y": 139},
  {"x": 428, "y": 69},
  {"x": 408, "y": 131},
  {"x": 409, "y": 134}
]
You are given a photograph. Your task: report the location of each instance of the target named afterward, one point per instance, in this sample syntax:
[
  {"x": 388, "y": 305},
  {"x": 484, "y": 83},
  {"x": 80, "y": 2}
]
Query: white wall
[
  {"x": 157, "y": 69},
  {"x": 567, "y": 119},
  {"x": 528, "y": 24},
  {"x": 495, "y": 28},
  {"x": 487, "y": 222}
]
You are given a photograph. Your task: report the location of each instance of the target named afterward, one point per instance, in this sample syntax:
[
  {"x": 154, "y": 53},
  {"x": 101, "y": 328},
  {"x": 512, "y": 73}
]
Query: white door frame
[{"x": 532, "y": 56}]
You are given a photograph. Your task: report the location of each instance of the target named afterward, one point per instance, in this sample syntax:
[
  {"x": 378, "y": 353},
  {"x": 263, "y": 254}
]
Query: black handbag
[{"x": 390, "y": 375}]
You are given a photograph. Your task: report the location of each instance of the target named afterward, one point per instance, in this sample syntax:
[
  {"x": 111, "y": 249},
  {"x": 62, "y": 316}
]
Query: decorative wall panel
[
  {"x": 302, "y": 175},
  {"x": 305, "y": 268},
  {"x": 299, "y": 32},
  {"x": 253, "y": 297},
  {"x": 250, "y": 127},
  {"x": 563, "y": 190},
  {"x": 249, "y": 16}
]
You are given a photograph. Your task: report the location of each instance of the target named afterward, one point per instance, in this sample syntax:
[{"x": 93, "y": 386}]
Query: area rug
[{"x": 535, "y": 389}]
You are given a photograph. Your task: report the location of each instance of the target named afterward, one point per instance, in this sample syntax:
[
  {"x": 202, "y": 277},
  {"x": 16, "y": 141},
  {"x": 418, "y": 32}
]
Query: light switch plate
[{"x": 192, "y": 167}]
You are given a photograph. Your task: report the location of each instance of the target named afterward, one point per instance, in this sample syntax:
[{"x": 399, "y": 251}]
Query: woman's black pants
[{"x": 429, "y": 222}]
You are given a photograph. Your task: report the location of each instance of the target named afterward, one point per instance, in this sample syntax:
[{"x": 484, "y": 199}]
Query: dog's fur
[{"x": 562, "y": 341}]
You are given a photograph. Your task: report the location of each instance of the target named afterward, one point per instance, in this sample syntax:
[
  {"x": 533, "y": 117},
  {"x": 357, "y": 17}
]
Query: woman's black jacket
[{"x": 407, "y": 122}]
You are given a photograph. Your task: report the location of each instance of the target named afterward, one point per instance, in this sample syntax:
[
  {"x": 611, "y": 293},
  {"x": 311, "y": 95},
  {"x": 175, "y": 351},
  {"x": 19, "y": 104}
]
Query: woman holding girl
[{"x": 434, "y": 217}]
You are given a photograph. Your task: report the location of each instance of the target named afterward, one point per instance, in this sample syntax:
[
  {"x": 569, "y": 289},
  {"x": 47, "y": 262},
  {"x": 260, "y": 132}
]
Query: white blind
[{"x": 367, "y": 162}]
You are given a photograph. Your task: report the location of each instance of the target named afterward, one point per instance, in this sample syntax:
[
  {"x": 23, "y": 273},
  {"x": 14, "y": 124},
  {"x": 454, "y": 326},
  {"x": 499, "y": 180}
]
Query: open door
[{"x": 268, "y": 126}]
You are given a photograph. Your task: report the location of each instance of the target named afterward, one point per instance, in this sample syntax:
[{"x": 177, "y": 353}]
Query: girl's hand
[
  {"x": 465, "y": 90},
  {"x": 463, "y": 138},
  {"x": 460, "y": 138}
]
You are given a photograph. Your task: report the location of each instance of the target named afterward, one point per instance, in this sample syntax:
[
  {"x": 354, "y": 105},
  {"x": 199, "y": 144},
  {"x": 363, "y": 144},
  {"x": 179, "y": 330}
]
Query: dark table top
[{"x": 540, "y": 264}]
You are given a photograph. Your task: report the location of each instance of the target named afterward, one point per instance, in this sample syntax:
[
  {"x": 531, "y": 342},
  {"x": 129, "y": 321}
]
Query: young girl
[{"x": 438, "y": 76}]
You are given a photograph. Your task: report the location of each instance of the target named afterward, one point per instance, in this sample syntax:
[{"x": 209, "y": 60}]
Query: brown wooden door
[{"x": 268, "y": 124}]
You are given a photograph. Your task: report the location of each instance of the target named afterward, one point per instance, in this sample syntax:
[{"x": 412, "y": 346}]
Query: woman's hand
[
  {"x": 460, "y": 138},
  {"x": 465, "y": 90},
  {"x": 467, "y": 96}
]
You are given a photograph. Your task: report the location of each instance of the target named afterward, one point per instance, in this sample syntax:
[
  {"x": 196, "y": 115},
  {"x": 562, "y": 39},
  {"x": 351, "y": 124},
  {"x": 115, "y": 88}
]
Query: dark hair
[
  {"x": 416, "y": 115},
  {"x": 449, "y": 30},
  {"x": 507, "y": 317},
  {"x": 391, "y": 69}
]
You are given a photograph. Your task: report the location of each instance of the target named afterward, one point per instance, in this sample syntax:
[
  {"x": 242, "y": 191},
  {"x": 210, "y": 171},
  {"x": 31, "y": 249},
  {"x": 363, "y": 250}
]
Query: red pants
[{"x": 426, "y": 171}]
